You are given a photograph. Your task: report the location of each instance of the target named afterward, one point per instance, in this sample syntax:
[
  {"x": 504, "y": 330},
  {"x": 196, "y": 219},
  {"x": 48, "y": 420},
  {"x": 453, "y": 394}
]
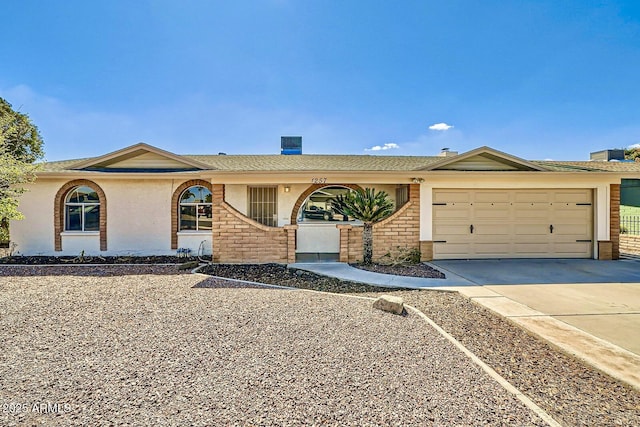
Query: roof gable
[
  {"x": 484, "y": 159},
  {"x": 141, "y": 157}
]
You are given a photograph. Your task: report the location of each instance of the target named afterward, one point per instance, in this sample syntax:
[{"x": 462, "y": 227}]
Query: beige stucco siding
[
  {"x": 138, "y": 219},
  {"x": 138, "y": 216},
  {"x": 34, "y": 234}
]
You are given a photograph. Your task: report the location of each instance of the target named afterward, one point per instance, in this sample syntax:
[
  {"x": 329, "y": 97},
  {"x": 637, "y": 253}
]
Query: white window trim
[
  {"x": 80, "y": 233},
  {"x": 195, "y": 232},
  {"x": 83, "y": 205},
  {"x": 197, "y": 217}
]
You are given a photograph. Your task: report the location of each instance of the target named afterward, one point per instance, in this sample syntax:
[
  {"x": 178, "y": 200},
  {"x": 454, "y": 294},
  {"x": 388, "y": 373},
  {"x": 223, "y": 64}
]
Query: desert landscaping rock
[
  {"x": 154, "y": 350},
  {"x": 389, "y": 303},
  {"x": 409, "y": 270},
  {"x": 107, "y": 341},
  {"x": 570, "y": 390}
]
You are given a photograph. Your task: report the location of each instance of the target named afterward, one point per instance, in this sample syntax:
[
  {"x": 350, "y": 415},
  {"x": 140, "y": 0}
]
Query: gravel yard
[
  {"x": 151, "y": 349},
  {"x": 573, "y": 392},
  {"x": 145, "y": 345}
]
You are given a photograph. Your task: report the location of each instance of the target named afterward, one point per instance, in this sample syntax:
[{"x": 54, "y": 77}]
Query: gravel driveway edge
[
  {"x": 475, "y": 359},
  {"x": 490, "y": 371}
]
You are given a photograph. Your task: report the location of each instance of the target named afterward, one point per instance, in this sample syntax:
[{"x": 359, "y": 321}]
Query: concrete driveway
[
  {"x": 541, "y": 271},
  {"x": 590, "y": 308}
]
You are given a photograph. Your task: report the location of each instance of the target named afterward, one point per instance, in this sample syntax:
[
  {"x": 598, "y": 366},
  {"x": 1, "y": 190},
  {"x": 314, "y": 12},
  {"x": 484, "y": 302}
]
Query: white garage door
[{"x": 512, "y": 223}]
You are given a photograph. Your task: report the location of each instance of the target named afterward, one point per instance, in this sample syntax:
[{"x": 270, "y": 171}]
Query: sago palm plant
[{"x": 367, "y": 206}]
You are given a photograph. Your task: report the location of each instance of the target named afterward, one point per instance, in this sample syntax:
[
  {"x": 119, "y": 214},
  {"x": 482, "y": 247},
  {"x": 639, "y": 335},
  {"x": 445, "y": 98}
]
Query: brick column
[
  {"x": 291, "y": 242},
  {"x": 614, "y": 206},
  {"x": 426, "y": 250},
  {"x": 344, "y": 241},
  {"x": 217, "y": 198}
]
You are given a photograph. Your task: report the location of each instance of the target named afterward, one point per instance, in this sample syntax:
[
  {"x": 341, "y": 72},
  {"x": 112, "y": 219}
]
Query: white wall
[
  {"x": 138, "y": 220},
  {"x": 139, "y": 216},
  {"x": 34, "y": 234}
]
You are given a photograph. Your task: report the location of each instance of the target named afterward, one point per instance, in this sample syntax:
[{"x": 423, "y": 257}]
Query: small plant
[
  {"x": 623, "y": 229},
  {"x": 401, "y": 256}
]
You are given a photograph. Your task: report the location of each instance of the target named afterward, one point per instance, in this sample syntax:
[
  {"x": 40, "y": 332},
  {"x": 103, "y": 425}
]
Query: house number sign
[{"x": 318, "y": 180}]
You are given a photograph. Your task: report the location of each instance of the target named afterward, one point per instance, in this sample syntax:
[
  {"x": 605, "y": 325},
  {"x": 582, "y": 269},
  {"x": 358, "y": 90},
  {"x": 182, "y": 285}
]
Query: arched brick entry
[
  {"x": 312, "y": 189},
  {"x": 175, "y": 206},
  {"x": 58, "y": 211}
]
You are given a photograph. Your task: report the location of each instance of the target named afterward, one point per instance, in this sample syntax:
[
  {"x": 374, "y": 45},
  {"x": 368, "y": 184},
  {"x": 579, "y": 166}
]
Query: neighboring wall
[
  {"x": 630, "y": 244},
  {"x": 399, "y": 231}
]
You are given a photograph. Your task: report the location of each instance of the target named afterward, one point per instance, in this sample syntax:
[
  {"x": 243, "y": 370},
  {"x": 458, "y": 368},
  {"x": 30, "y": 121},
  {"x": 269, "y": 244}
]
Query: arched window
[
  {"x": 82, "y": 210},
  {"x": 195, "y": 209},
  {"x": 317, "y": 206}
]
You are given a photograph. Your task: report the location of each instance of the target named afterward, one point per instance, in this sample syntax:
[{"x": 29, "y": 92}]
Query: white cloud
[
  {"x": 634, "y": 146},
  {"x": 440, "y": 126},
  {"x": 387, "y": 146}
]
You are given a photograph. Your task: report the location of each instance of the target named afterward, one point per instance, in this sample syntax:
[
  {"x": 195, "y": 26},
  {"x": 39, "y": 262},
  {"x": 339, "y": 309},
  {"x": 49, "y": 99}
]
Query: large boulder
[{"x": 389, "y": 303}]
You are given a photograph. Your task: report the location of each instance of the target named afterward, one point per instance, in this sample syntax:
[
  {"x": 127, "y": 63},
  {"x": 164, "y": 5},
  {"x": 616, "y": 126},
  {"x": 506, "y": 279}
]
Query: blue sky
[{"x": 537, "y": 79}]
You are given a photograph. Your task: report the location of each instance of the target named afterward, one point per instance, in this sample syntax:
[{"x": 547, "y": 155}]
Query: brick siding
[
  {"x": 630, "y": 244},
  {"x": 614, "y": 231},
  {"x": 239, "y": 239},
  {"x": 400, "y": 230}
]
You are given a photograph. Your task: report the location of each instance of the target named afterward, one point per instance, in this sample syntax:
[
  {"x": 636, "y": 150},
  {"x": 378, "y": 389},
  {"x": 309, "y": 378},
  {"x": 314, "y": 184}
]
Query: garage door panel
[
  {"x": 531, "y": 211},
  {"x": 571, "y": 250},
  {"x": 492, "y": 211},
  {"x": 445, "y": 230},
  {"x": 513, "y": 223},
  {"x": 572, "y": 196},
  {"x": 453, "y": 196},
  {"x": 527, "y": 196},
  {"x": 451, "y": 214},
  {"x": 488, "y": 196},
  {"x": 523, "y": 229},
  {"x": 572, "y": 213},
  {"x": 492, "y": 249},
  {"x": 579, "y": 231},
  {"x": 491, "y": 230},
  {"x": 451, "y": 249},
  {"x": 531, "y": 248}
]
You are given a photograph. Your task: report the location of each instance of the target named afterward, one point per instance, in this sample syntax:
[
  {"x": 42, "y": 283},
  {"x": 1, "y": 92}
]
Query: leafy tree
[
  {"x": 20, "y": 146},
  {"x": 367, "y": 206},
  {"x": 632, "y": 153},
  {"x": 21, "y": 137}
]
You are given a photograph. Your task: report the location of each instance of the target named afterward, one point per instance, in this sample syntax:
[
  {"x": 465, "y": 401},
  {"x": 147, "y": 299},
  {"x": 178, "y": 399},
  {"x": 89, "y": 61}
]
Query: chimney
[
  {"x": 446, "y": 153},
  {"x": 290, "y": 145}
]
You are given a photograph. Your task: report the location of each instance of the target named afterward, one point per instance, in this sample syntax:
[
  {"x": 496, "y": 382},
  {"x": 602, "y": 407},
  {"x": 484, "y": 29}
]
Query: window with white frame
[
  {"x": 82, "y": 210},
  {"x": 263, "y": 205},
  {"x": 196, "y": 212}
]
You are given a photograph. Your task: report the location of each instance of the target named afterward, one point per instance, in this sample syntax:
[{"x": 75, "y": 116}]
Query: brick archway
[
  {"x": 58, "y": 211},
  {"x": 175, "y": 206},
  {"x": 312, "y": 189}
]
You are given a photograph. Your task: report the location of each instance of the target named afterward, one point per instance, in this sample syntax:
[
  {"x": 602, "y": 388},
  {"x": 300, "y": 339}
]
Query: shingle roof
[
  {"x": 305, "y": 162},
  {"x": 319, "y": 162},
  {"x": 590, "y": 166}
]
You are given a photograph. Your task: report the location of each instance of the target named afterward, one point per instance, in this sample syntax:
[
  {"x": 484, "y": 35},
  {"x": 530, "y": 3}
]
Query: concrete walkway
[
  {"x": 346, "y": 272},
  {"x": 596, "y": 322}
]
